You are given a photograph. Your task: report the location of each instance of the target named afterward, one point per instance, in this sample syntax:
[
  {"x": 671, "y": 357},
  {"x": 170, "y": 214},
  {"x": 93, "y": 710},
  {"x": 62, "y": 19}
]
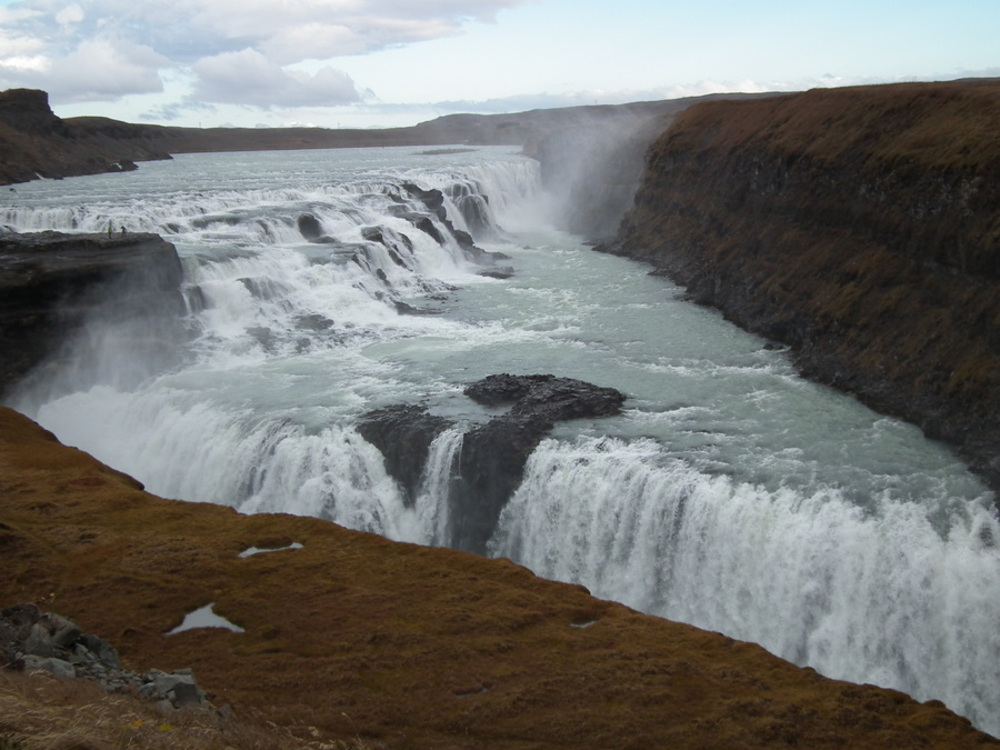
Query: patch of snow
[
  {"x": 249, "y": 551},
  {"x": 205, "y": 618}
]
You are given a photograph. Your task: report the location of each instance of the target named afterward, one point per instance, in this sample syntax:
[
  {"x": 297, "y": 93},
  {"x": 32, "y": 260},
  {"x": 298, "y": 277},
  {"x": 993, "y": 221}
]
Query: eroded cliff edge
[
  {"x": 859, "y": 226},
  {"x": 53, "y": 286}
]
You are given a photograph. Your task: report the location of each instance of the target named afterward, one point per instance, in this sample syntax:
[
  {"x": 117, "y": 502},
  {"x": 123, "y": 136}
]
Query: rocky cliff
[
  {"x": 35, "y": 143},
  {"x": 334, "y": 636},
  {"x": 592, "y": 164},
  {"x": 52, "y": 285},
  {"x": 859, "y": 226}
]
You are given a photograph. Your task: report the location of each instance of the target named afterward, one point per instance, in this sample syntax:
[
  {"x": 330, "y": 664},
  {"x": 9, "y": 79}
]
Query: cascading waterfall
[
  {"x": 731, "y": 494},
  {"x": 867, "y": 595},
  {"x": 431, "y": 511}
]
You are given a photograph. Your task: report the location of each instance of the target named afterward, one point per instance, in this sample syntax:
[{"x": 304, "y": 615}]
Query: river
[{"x": 730, "y": 494}]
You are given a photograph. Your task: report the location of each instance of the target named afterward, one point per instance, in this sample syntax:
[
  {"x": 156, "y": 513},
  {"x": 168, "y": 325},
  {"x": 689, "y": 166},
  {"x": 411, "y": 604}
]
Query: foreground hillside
[
  {"x": 352, "y": 637},
  {"x": 859, "y": 226}
]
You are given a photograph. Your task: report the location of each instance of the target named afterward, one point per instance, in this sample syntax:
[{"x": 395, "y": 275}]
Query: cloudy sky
[{"x": 378, "y": 63}]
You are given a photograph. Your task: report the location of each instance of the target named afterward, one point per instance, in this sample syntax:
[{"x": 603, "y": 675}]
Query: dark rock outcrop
[
  {"x": 433, "y": 200},
  {"x": 546, "y": 396},
  {"x": 310, "y": 227},
  {"x": 859, "y": 226},
  {"x": 36, "y": 641},
  {"x": 403, "y": 434},
  {"x": 27, "y": 110},
  {"x": 35, "y": 143},
  {"x": 53, "y": 284},
  {"x": 493, "y": 455}
]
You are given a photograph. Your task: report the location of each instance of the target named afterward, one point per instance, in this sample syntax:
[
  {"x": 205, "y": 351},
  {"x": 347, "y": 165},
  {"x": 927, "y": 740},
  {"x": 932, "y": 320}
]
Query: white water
[{"x": 731, "y": 494}]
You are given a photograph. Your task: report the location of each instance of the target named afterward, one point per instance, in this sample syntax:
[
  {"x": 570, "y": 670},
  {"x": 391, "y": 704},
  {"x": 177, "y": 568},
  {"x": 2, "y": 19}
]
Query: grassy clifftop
[
  {"x": 355, "y": 638},
  {"x": 860, "y": 226}
]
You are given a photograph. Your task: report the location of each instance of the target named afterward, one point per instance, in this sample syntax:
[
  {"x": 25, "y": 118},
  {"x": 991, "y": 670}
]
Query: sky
[{"x": 387, "y": 63}]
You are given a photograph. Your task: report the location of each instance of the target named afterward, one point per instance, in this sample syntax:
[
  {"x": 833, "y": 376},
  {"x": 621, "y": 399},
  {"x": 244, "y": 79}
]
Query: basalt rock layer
[
  {"x": 53, "y": 284},
  {"x": 859, "y": 226},
  {"x": 349, "y": 636},
  {"x": 491, "y": 461}
]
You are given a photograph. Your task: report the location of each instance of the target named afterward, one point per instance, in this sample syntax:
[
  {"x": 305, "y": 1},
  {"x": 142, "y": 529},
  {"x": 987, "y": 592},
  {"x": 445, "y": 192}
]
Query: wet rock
[
  {"x": 313, "y": 322},
  {"x": 505, "y": 272},
  {"x": 434, "y": 201},
  {"x": 424, "y": 224},
  {"x": 53, "y": 284},
  {"x": 493, "y": 455},
  {"x": 404, "y": 308},
  {"x": 123, "y": 165},
  {"x": 309, "y": 227},
  {"x": 546, "y": 395},
  {"x": 404, "y": 435}
]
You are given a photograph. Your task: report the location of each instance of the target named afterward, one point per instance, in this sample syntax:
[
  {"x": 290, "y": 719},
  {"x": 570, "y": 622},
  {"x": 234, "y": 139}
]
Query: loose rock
[{"x": 36, "y": 641}]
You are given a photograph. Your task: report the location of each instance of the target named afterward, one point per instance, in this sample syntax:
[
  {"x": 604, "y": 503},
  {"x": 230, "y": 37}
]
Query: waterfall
[
  {"x": 889, "y": 594},
  {"x": 731, "y": 494},
  {"x": 430, "y": 515}
]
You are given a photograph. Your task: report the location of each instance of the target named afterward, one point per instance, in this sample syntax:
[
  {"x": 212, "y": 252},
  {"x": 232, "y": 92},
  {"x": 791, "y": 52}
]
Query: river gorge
[{"x": 728, "y": 492}]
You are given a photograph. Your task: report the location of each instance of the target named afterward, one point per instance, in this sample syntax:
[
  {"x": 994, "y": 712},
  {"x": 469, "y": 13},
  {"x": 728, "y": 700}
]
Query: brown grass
[
  {"x": 39, "y": 712},
  {"x": 931, "y": 125}
]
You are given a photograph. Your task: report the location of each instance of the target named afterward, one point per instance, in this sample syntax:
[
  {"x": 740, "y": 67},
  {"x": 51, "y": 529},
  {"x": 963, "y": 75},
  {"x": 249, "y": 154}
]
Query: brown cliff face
[
  {"x": 860, "y": 226},
  {"x": 353, "y": 636},
  {"x": 35, "y": 143}
]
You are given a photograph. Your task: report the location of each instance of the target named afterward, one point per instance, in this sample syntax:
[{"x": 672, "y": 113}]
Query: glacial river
[{"x": 730, "y": 494}]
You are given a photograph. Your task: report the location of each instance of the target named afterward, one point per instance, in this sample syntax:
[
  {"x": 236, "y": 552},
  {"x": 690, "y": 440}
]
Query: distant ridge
[{"x": 35, "y": 143}]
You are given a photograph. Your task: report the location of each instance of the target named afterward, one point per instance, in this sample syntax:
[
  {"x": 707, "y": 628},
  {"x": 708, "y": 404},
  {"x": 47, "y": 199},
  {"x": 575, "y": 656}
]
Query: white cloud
[
  {"x": 70, "y": 14},
  {"x": 248, "y": 77},
  {"x": 104, "y": 69},
  {"x": 315, "y": 41},
  {"x": 17, "y": 46},
  {"x": 82, "y": 50}
]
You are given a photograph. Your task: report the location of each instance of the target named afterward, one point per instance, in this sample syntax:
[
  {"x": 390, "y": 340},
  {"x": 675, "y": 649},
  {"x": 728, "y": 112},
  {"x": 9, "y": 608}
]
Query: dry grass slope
[{"x": 40, "y": 712}]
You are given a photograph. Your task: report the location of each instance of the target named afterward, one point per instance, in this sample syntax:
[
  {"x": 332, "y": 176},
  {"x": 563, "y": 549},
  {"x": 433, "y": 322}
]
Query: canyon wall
[
  {"x": 53, "y": 286},
  {"x": 859, "y": 226}
]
